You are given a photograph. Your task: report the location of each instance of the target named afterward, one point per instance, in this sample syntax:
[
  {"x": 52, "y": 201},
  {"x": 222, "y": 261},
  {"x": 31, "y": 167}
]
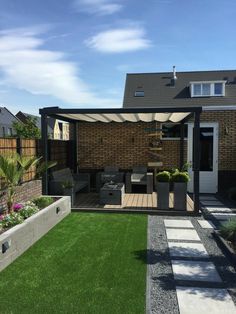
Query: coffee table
[{"x": 112, "y": 194}]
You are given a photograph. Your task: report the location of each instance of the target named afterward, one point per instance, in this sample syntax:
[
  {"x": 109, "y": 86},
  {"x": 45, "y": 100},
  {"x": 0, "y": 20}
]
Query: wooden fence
[{"x": 59, "y": 151}]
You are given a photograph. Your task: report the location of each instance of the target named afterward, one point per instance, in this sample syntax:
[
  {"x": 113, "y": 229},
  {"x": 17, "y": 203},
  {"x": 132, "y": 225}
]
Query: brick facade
[
  {"x": 126, "y": 144},
  {"x": 25, "y": 192}
]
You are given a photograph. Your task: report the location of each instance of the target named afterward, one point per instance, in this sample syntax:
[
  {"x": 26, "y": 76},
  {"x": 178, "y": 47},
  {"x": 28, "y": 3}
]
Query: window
[
  {"x": 207, "y": 89},
  {"x": 139, "y": 93},
  {"x": 3, "y": 131},
  {"x": 172, "y": 130},
  {"x": 9, "y": 130}
]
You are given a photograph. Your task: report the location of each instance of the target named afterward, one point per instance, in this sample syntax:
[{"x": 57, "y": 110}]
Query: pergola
[{"x": 160, "y": 114}]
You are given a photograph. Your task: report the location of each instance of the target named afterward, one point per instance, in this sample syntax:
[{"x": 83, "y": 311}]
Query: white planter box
[{"x": 22, "y": 236}]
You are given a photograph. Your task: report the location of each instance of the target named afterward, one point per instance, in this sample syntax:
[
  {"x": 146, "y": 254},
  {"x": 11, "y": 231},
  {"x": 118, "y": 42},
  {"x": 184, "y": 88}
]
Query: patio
[
  {"x": 110, "y": 117},
  {"x": 133, "y": 202}
]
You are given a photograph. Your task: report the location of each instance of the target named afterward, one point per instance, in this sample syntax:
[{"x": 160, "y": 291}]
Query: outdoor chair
[
  {"x": 139, "y": 176},
  {"x": 110, "y": 174}
]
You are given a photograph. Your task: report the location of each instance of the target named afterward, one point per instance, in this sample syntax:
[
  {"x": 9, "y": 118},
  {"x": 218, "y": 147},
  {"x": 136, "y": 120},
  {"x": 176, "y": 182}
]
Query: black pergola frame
[{"x": 195, "y": 113}]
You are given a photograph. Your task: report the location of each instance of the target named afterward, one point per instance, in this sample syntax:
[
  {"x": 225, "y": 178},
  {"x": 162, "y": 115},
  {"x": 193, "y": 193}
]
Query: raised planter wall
[{"x": 18, "y": 239}]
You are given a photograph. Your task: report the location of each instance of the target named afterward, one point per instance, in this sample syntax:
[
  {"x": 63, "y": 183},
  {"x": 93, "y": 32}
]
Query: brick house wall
[
  {"x": 126, "y": 144},
  {"x": 25, "y": 192}
]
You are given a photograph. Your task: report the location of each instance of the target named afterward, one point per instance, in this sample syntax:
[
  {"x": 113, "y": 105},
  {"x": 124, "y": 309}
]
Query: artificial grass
[{"x": 88, "y": 263}]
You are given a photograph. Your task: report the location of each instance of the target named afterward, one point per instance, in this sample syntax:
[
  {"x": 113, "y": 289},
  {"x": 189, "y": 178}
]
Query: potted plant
[
  {"x": 68, "y": 189},
  {"x": 163, "y": 186},
  {"x": 180, "y": 180}
]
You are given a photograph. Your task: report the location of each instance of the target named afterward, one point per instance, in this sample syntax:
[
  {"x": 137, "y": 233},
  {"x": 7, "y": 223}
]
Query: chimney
[{"x": 174, "y": 77}]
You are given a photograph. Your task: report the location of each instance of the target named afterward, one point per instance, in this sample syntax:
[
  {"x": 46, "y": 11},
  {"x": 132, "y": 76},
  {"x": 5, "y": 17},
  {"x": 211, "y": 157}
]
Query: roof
[
  {"x": 158, "y": 90},
  {"x": 120, "y": 115},
  {"x": 6, "y": 116},
  {"x": 22, "y": 116}
]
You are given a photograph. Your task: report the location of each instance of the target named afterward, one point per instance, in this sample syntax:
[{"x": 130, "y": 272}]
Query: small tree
[
  {"x": 12, "y": 170},
  {"x": 28, "y": 129}
]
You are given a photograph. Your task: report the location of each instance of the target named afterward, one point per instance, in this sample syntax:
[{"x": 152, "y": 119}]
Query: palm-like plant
[{"x": 12, "y": 170}]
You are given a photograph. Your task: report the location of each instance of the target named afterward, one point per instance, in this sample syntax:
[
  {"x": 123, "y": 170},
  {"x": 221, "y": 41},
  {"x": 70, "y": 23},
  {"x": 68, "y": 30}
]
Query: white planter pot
[{"x": 18, "y": 239}]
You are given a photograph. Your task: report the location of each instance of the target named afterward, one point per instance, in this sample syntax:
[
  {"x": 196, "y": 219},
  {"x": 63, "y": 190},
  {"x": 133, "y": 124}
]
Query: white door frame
[{"x": 211, "y": 188}]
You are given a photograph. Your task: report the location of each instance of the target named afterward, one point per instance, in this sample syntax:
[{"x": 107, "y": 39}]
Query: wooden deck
[{"x": 134, "y": 201}]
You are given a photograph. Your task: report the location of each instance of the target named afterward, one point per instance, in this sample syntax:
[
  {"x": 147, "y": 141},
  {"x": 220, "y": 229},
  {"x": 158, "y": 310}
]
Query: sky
[{"x": 76, "y": 53}]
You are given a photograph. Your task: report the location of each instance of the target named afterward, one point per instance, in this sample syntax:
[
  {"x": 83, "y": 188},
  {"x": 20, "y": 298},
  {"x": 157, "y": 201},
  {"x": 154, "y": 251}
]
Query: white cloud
[
  {"x": 27, "y": 66},
  {"x": 119, "y": 40},
  {"x": 99, "y": 7}
]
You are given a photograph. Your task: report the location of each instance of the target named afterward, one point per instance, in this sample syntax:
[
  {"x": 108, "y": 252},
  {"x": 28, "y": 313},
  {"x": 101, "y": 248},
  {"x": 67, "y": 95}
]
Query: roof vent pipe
[{"x": 174, "y": 73}]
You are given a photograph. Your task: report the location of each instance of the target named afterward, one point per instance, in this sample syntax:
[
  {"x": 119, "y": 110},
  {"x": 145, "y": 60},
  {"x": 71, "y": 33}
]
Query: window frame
[
  {"x": 212, "y": 88},
  {"x": 173, "y": 138}
]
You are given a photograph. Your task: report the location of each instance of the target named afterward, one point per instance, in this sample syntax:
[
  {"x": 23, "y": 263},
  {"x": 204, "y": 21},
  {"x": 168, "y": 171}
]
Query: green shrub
[
  {"x": 43, "y": 201},
  {"x": 28, "y": 210},
  {"x": 11, "y": 220},
  {"x": 163, "y": 176},
  {"x": 180, "y": 176},
  {"x": 228, "y": 230},
  {"x": 232, "y": 193}
]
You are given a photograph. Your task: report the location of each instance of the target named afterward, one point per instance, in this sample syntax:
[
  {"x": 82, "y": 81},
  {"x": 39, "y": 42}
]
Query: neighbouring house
[
  {"x": 215, "y": 92},
  {"x": 57, "y": 130},
  {"x": 6, "y": 120}
]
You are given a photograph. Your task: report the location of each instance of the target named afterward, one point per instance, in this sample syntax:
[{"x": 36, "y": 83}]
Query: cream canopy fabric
[{"x": 123, "y": 117}]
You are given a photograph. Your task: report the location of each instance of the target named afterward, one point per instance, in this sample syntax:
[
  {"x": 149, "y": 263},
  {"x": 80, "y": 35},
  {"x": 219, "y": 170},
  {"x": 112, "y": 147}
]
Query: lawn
[{"x": 89, "y": 263}]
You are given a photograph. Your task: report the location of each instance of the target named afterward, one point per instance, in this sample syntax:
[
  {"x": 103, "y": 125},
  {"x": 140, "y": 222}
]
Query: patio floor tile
[
  {"x": 218, "y": 209},
  {"x": 195, "y": 271},
  {"x": 182, "y": 234},
  {"x": 178, "y": 223},
  {"x": 206, "y": 224},
  {"x": 207, "y": 197},
  {"x": 179, "y": 249},
  {"x": 212, "y": 203},
  {"x": 204, "y": 300}
]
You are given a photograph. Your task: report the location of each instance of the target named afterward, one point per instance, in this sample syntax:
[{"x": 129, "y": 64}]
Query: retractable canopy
[{"x": 174, "y": 115}]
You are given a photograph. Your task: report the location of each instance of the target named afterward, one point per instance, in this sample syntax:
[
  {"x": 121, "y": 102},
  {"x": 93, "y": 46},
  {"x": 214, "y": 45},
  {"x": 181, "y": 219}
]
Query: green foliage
[
  {"x": 232, "y": 193},
  {"x": 186, "y": 167},
  {"x": 67, "y": 185},
  {"x": 11, "y": 220},
  {"x": 228, "y": 230},
  {"x": 163, "y": 176},
  {"x": 27, "y": 129},
  {"x": 12, "y": 170},
  {"x": 43, "y": 201},
  {"x": 180, "y": 176},
  {"x": 28, "y": 210}
]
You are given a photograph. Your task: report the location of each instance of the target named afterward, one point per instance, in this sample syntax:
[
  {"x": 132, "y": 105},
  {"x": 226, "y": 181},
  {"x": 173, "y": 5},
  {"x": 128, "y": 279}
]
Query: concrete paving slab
[
  {"x": 218, "y": 209},
  {"x": 207, "y": 197},
  {"x": 181, "y": 249},
  {"x": 206, "y": 224},
  {"x": 195, "y": 271},
  {"x": 182, "y": 234},
  {"x": 212, "y": 203},
  {"x": 223, "y": 216},
  {"x": 178, "y": 223},
  {"x": 204, "y": 300}
]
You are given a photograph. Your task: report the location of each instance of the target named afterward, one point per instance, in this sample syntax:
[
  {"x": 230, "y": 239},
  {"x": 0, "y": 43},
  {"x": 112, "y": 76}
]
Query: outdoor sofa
[{"x": 139, "y": 176}]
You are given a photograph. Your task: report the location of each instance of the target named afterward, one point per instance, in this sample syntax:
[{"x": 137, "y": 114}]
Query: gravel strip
[{"x": 161, "y": 293}]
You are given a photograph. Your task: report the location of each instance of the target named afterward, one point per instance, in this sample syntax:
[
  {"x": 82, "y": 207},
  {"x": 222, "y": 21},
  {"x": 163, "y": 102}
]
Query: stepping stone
[
  {"x": 207, "y": 197},
  {"x": 195, "y": 271},
  {"x": 206, "y": 224},
  {"x": 212, "y": 203},
  {"x": 204, "y": 300},
  {"x": 224, "y": 216},
  {"x": 179, "y": 249},
  {"x": 178, "y": 223},
  {"x": 182, "y": 234},
  {"x": 218, "y": 209}
]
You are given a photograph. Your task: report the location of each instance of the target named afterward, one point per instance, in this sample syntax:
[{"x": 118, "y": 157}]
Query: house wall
[{"x": 126, "y": 145}]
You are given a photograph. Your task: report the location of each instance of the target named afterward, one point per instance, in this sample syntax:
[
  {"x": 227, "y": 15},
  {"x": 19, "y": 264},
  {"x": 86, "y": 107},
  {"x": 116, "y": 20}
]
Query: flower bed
[
  {"x": 27, "y": 224},
  {"x": 226, "y": 247}
]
